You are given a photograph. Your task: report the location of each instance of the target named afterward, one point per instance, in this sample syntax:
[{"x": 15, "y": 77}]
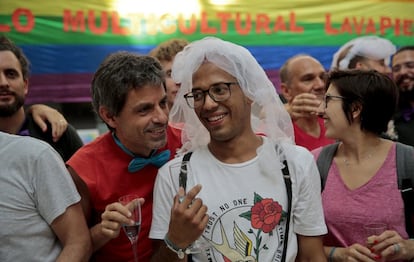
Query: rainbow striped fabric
[{"x": 66, "y": 40}]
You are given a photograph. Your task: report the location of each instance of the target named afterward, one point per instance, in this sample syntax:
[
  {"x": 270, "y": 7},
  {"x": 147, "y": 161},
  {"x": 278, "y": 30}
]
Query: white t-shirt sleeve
[
  {"x": 164, "y": 193},
  {"x": 307, "y": 210}
]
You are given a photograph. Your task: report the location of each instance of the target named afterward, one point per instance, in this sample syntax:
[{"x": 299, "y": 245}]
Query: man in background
[
  {"x": 403, "y": 75},
  {"x": 14, "y": 85},
  {"x": 303, "y": 86},
  {"x": 165, "y": 53},
  {"x": 365, "y": 53}
]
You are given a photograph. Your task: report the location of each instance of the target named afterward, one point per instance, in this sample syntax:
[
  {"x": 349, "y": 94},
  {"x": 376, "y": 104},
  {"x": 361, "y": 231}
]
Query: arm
[
  {"x": 83, "y": 191},
  {"x": 187, "y": 223},
  {"x": 73, "y": 233},
  {"x": 42, "y": 114},
  {"x": 355, "y": 252},
  {"x": 163, "y": 253},
  {"x": 112, "y": 218},
  {"x": 310, "y": 248}
]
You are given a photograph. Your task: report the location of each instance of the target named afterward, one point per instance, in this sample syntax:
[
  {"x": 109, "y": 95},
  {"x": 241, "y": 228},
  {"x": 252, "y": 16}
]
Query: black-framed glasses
[
  {"x": 218, "y": 92},
  {"x": 330, "y": 97}
]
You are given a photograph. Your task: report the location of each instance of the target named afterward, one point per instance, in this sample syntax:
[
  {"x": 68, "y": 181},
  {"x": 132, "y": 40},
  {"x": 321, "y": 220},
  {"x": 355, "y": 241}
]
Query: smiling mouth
[
  {"x": 158, "y": 131},
  {"x": 215, "y": 118}
]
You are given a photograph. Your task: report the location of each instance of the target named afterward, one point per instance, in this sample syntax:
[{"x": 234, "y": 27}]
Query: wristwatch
[{"x": 179, "y": 251}]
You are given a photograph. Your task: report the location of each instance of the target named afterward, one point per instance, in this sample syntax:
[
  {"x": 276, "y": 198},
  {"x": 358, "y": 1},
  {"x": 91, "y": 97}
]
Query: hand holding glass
[
  {"x": 374, "y": 229},
  {"x": 132, "y": 232}
]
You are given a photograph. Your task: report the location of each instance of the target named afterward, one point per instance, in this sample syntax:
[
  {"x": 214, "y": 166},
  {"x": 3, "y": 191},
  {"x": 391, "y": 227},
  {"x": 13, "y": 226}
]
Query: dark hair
[
  {"x": 7, "y": 45},
  {"x": 353, "y": 61},
  {"x": 119, "y": 73},
  {"x": 372, "y": 91},
  {"x": 405, "y": 48}
]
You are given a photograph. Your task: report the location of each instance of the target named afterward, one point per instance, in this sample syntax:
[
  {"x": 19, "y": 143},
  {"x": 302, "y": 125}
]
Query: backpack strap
[
  {"x": 405, "y": 165},
  {"x": 288, "y": 184},
  {"x": 324, "y": 161},
  {"x": 405, "y": 174},
  {"x": 182, "y": 180}
]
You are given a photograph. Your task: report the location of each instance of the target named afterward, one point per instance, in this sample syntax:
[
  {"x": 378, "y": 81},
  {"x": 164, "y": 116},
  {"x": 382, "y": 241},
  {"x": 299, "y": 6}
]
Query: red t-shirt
[
  {"x": 310, "y": 142},
  {"x": 104, "y": 168}
]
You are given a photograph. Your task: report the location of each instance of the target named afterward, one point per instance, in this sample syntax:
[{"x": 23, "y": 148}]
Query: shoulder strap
[
  {"x": 183, "y": 171},
  {"x": 324, "y": 161},
  {"x": 405, "y": 174},
  {"x": 405, "y": 164},
  {"x": 288, "y": 184}
]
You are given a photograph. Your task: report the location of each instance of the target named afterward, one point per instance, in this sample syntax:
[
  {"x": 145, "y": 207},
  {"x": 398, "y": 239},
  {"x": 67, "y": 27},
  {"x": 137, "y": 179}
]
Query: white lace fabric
[{"x": 268, "y": 117}]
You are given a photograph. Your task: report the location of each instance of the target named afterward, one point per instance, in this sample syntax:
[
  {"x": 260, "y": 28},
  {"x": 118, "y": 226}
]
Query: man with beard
[
  {"x": 403, "y": 75},
  {"x": 14, "y": 82}
]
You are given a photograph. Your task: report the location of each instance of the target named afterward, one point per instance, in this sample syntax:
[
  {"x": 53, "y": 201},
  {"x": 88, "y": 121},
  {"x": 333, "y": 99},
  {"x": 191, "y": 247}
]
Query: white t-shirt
[
  {"x": 35, "y": 189},
  {"x": 245, "y": 202}
]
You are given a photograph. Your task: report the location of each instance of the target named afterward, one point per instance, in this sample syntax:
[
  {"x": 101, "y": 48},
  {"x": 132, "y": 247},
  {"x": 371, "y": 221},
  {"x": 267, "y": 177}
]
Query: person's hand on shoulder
[{"x": 42, "y": 114}]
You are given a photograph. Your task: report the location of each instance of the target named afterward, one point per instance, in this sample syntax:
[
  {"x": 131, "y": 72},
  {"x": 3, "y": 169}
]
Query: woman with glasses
[{"x": 361, "y": 186}]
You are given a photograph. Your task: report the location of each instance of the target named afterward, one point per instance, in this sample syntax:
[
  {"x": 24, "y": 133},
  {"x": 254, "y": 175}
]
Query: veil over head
[
  {"x": 268, "y": 116},
  {"x": 372, "y": 47}
]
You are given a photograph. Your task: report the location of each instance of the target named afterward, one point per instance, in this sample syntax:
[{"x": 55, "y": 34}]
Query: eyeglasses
[
  {"x": 218, "y": 92},
  {"x": 330, "y": 97}
]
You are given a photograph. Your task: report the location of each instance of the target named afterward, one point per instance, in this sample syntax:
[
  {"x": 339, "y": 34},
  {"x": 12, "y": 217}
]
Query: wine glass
[
  {"x": 200, "y": 244},
  {"x": 132, "y": 232}
]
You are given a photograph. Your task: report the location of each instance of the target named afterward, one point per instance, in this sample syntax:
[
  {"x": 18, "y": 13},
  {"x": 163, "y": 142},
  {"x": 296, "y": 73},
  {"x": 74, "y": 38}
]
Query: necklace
[{"x": 347, "y": 163}]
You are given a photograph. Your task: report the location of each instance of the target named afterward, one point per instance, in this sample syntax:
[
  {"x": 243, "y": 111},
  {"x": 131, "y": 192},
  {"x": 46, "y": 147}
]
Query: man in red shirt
[
  {"x": 303, "y": 86},
  {"x": 128, "y": 93}
]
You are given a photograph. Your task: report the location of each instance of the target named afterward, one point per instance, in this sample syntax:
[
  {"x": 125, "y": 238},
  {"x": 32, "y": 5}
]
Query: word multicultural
[{"x": 23, "y": 20}]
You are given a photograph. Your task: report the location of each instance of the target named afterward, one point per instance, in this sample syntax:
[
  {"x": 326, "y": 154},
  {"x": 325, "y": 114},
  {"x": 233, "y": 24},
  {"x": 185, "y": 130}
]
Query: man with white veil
[
  {"x": 365, "y": 53},
  {"x": 237, "y": 204}
]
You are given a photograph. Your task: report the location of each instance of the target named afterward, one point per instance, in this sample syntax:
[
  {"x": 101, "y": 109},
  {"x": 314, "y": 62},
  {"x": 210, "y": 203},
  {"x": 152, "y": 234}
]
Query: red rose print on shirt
[{"x": 266, "y": 214}]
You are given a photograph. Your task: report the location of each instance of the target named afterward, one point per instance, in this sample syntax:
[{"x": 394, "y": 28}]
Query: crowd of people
[{"x": 225, "y": 169}]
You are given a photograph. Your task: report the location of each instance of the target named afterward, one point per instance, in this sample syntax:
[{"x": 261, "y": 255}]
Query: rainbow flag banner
[{"x": 66, "y": 40}]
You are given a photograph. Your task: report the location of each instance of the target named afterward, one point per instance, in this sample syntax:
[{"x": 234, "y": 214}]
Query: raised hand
[
  {"x": 188, "y": 218},
  {"x": 305, "y": 105}
]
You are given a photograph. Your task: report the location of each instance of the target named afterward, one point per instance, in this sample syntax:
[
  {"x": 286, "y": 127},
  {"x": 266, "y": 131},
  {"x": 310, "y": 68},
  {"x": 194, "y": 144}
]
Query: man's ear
[
  {"x": 285, "y": 92},
  {"x": 26, "y": 86},
  {"x": 107, "y": 117},
  {"x": 360, "y": 65}
]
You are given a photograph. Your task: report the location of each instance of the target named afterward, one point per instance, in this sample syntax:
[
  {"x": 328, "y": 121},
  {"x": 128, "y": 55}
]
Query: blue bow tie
[{"x": 137, "y": 163}]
